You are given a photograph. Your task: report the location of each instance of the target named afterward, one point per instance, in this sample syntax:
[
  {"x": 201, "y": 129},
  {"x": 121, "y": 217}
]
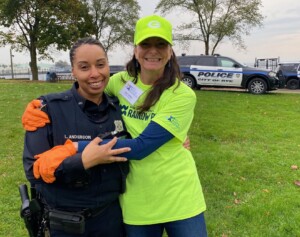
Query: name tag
[{"x": 131, "y": 92}]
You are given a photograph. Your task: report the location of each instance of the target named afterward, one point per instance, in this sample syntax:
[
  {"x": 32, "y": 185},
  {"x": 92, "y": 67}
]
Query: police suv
[{"x": 220, "y": 71}]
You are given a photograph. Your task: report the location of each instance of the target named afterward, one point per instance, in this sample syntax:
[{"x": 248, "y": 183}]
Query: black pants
[{"x": 107, "y": 224}]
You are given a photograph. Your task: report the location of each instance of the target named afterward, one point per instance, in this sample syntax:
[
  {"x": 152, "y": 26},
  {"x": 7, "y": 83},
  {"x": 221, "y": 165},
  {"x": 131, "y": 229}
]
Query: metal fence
[{"x": 21, "y": 73}]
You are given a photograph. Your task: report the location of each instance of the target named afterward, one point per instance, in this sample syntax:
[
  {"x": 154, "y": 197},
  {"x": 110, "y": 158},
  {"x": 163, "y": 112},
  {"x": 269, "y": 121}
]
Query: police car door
[
  {"x": 298, "y": 71},
  {"x": 204, "y": 74},
  {"x": 229, "y": 73}
]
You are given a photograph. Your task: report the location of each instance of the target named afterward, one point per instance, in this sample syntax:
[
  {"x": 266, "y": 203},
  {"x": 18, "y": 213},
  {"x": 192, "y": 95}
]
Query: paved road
[
  {"x": 286, "y": 91},
  {"x": 244, "y": 90}
]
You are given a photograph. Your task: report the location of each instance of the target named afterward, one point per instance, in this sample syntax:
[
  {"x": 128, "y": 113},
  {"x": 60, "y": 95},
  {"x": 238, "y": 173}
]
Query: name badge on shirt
[{"x": 131, "y": 92}]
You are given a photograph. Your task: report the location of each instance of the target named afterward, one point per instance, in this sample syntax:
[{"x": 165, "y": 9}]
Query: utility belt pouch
[{"x": 69, "y": 222}]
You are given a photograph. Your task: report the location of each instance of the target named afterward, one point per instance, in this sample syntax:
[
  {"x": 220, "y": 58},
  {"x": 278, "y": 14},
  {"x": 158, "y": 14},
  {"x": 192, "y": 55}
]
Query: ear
[
  {"x": 73, "y": 74},
  {"x": 171, "y": 52},
  {"x": 135, "y": 52}
]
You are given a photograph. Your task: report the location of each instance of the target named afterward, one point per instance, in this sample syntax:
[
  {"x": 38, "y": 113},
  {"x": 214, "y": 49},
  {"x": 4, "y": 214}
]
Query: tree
[
  {"x": 36, "y": 25},
  {"x": 114, "y": 21},
  {"x": 215, "y": 20},
  {"x": 62, "y": 64}
]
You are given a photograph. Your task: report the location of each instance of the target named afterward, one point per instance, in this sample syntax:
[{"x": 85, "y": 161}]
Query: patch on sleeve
[{"x": 174, "y": 121}]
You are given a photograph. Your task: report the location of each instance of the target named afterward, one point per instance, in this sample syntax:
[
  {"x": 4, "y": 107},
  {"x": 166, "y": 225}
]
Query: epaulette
[{"x": 66, "y": 95}]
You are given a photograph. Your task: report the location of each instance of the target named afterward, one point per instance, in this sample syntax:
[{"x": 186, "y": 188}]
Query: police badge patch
[{"x": 118, "y": 125}]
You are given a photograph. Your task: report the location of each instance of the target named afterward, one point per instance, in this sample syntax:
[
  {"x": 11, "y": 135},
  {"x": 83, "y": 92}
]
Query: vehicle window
[
  {"x": 225, "y": 62},
  {"x": 205, "y": 61},
  {"x": 289, "y": 67},
  {"x": 196, "y": 60},
  {"x": 185, "y": 60}
]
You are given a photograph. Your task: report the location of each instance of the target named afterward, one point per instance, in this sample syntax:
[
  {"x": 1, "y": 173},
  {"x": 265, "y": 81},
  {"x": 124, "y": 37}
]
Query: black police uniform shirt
[{"x": 75, "y": 118}]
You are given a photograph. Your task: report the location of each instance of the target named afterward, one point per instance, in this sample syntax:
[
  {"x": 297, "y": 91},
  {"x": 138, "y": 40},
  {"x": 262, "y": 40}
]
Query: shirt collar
[{"x": 83, "y": 103}]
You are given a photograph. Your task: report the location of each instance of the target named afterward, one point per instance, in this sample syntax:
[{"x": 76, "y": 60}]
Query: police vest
[{"x": 103, "y": 183}]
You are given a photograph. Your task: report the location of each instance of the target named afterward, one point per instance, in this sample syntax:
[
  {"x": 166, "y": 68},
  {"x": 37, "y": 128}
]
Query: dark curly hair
[{"x": 83, "y": 41}]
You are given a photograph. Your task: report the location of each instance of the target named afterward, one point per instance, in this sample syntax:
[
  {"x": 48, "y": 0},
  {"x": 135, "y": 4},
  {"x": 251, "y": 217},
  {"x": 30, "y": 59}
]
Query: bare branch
[{"x": 215, "y": 20}]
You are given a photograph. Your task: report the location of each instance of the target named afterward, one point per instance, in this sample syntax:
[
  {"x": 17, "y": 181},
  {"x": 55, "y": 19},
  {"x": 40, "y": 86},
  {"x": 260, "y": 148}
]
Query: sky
[{"x": 279, "y": 37}]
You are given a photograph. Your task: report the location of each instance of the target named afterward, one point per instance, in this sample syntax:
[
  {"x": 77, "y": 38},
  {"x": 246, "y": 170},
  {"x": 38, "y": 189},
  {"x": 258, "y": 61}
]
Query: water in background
[{"x": 26, "y": 75}]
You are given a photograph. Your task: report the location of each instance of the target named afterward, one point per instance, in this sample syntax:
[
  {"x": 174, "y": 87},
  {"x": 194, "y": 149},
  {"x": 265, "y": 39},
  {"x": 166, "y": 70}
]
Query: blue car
[{"x": 289, "y": 74}]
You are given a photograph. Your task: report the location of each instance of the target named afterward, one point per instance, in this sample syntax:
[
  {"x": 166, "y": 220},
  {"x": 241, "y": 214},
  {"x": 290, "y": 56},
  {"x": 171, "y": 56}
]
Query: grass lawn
[{"x": 244, "y": 146}]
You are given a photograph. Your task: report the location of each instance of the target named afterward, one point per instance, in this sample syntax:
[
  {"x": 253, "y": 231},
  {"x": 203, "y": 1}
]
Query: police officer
[{"x": 80, "y": 196}]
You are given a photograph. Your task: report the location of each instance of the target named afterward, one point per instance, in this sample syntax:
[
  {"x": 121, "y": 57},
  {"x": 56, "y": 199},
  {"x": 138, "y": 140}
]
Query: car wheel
[
  {"x": 257, "y": 86},
  {"x": 189, "y": 81},
  {"x": 292, "y": 84}
]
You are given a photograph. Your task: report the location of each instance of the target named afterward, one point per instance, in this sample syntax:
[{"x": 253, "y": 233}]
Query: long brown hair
[{"x": 170, "y": 76}]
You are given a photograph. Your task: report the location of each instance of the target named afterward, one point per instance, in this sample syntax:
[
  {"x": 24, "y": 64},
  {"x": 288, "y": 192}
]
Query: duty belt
[{"x": 92, "y": 212}]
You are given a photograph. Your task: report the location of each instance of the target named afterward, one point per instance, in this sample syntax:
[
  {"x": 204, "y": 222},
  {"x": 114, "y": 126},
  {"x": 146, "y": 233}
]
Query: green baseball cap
[{"x": 152, "y": 26}]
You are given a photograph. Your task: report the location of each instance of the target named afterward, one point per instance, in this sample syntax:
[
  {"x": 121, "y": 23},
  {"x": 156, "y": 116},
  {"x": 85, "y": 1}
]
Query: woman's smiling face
[
  {"x": 91, "y": 69},
  {"x": 153, "y": 54}
]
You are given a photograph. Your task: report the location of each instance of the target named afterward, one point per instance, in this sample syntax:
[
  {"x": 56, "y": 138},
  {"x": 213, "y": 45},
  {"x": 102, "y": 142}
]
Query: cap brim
[{"x": 152, "y": 35}]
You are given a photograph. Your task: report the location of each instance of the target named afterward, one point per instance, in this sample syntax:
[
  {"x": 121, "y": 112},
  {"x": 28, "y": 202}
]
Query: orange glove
[
  {"x": 48, "y": 161},
  {"x": 33, "y": 117}
]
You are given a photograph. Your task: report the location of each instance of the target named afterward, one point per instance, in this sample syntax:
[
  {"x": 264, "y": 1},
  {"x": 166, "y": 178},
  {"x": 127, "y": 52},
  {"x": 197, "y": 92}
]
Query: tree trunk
[
  {"x": 206, "y": 47},
  {"x": 33, "y": 64}
]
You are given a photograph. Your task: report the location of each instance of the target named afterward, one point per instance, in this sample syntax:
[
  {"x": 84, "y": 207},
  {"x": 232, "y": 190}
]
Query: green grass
[{"x": 243, "y": 145}]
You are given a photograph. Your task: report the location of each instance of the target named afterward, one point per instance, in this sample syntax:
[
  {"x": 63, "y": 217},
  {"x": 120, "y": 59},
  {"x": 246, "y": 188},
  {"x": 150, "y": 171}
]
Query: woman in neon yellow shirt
[{"x": 163, "y": 190}]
